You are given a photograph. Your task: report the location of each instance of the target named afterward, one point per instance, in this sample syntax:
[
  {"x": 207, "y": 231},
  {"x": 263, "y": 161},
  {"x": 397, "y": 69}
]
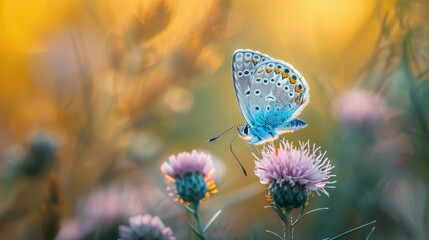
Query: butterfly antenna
[
  {"x": 220, "y": 135},
  {"x": 230, "y": 148}
]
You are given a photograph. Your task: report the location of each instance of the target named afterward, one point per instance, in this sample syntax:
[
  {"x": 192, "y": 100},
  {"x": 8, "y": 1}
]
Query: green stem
[
  {"x": 287, "y": 225},
  {"x": 199, "y": 221}
]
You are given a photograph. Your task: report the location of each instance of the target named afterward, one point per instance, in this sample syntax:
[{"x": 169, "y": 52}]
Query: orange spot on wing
[
  {"x": 298, "y": 90},
  {"x": 260, "y": 70},
  {"x": 255, "y": 62},
  {"x": 268, "y": 70},
  {"x": 297, "y": 100},
  {"x": 246, "y": 61},
  {"x": 277, "y": 71},
  {"x": 293, "y": 81},
  {"x": 285, "y": 75}
]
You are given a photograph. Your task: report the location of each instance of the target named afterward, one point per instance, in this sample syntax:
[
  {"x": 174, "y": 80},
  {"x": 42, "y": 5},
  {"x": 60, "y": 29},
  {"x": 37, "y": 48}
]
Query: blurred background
[{"x": 95, "y": 95}]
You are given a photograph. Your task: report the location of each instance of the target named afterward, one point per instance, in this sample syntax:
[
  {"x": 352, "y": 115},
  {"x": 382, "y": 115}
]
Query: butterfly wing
[
  {"x": 244, "y": 62},
  {"x": 276, "y": 95}
]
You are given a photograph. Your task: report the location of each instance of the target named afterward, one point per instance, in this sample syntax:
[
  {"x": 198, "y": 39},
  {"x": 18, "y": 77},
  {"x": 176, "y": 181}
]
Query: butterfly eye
[
  {"x": 291, "y": 94},
  {"x": 246, "y": 129},
  {"x": 287, "y": 70},
  {"x": 268, "y": 108},
  {"x": 240, "y": 73},
  {"x": 256, "y": 108},
  {"x": 286, "y": 88},
  {"x": 256, "y": 57},
  {"x": 279, "y": 84},
  {"x": 247, "y": 54},
  {"x": 294, "y": 77},
  {"x": 279, "y": 66},
  {"x": 270, "y": 65},
  {"x": 258, "y": 80},
  {"x": 246, "y": 72},
  {"x": 300, "y": 86},
  {"x": 265, "y": 80},
  {"x": 272, "y": 80}
]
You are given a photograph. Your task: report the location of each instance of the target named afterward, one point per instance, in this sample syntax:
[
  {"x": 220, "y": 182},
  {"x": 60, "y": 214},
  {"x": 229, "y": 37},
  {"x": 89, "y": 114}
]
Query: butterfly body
[{"x": 270, "y": 93}]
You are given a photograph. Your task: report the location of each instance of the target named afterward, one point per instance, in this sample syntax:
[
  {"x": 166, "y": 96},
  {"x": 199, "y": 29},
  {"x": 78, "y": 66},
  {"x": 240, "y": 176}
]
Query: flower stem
[
  {"x": 288, "y": 225},
  {"x": 199, "y": 221}
]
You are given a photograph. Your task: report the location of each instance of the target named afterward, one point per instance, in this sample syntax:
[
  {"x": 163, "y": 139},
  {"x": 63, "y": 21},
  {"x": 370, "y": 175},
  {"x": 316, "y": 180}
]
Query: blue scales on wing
[
  {"x": 270, "y": 93},
  {"x": 243, "y": 69}
]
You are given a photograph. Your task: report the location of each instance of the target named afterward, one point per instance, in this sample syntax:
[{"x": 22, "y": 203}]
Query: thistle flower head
[
  {"x": 145, "y": 227},
  {"x": 72, "y": 229},
  {"x": 40, "y": 154},
  {"x": 104, "y": 205},
  {"x": 293, "y": 173},
  {"x": 359, "y": 107},
  {"x": 190, "y": 175},
  {"x": 115, "y": 203}
]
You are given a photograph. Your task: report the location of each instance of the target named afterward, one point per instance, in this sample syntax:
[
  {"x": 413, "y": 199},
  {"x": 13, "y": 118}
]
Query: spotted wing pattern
[
  {"x": 244, "y": 62},
  {"x": 277, "y": 93},
  {"x": 270, "y": 92}
]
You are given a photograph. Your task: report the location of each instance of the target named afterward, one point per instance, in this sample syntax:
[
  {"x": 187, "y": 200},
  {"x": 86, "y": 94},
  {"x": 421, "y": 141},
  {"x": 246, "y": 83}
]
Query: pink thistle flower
[
  {"x": 293, "y": 173},
  {"x": 359, "y": 107},
  {"x": 72, "y": 229},
  {"x": 117, "y": 202},
  {"x": 190, "y": 175},
  {"x": 145, "y": 227},
  {"x": 104, "y": 205}
]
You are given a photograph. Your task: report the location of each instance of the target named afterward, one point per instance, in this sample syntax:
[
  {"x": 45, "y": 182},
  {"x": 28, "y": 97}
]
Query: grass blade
[
  {"x": 278, "y": 211},
  {"x": 350, "y": 231},
  {"x": 312, "y": 211},
  {"x": 212, "y": 220},
  {"x": 195, "y": 231},
  {"x": 369, "y": 234},
  {"x": 189, "y": 209},
  {"x": 275, "y": 234}
]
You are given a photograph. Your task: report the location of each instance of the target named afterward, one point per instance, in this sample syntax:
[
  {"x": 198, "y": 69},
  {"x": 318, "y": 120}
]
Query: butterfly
[{"x": 270, "y": 93}]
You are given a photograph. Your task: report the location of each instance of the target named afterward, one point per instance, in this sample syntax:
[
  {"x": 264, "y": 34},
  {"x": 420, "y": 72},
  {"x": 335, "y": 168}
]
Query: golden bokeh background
[{"x": 121, "y": 85}]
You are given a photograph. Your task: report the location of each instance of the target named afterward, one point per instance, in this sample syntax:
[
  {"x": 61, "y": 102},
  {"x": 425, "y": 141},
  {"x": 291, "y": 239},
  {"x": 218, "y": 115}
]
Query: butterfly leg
[
  {"x": 254, "y": 146},
  {"x": 248, "y": 147}
]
